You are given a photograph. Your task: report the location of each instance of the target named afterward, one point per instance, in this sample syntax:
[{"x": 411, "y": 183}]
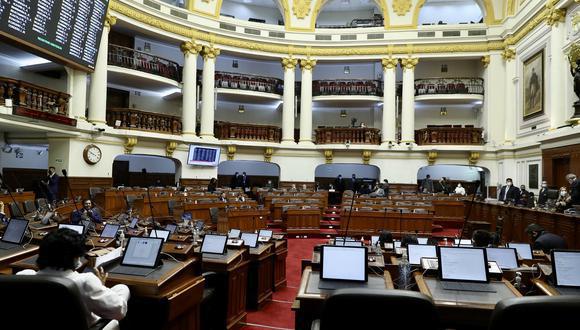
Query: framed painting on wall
[
  {"x": 533, "y": 85},
  {"x": 533, "y": 174}
]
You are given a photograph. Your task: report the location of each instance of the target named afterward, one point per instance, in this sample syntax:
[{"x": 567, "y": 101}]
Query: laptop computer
[
  {"x": 417, "y": 251},
  {"x": 566, "y": 271},
  {"x": 78, "y": 228},
  {"x": 141, "y": 257},
  {"x": 13, "y": 234},
  {"x": 265, "y": 235},
  {"x": 89, "y": 226},
  {"x": 506, "y": 258},
  {"x": 234, "y": 233},
  {"x": 343, "y": 267},
  {"x": 463, "y": 269},
  {"x": 524, "y": 250},
  {"x": 110, "y": 231},
  {"x": 250, "y": 239},
  {"x": 171, "y": 227},
  {"x": 213, "y": 246},
  {"x": 161, "y": 233}
]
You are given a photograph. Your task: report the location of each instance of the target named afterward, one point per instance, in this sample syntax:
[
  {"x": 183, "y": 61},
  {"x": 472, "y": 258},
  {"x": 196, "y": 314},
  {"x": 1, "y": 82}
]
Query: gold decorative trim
[
  {"x": 485, "y": 60},
  {"x": 328, "y": 156},
  {"x": 555, "y": 16},
  {"x": 110, "y": 20},
  {"x": 307, "y": 64},
  {"x": 432, "y": 157},
  {"x": 190, "y": 47},
  {"x": 366, "y": 156},
  {"x": 301, "y": 8},
  {"x": 210, "y": 52},
  {"x": 409, "y": 63},
  {"x": 268, "y": 154},
  {"x": 170, "y": 148},
  {"x": 129, "y": 144},
  {"x": 473, "y": 157},
  {"x": 401, "y": 7},
  {"x": 389, "y": 62},
  {"x": 508, "y": 54},
  {"x": 231, "y": 152},
  {"x": 289, "y": 63}
]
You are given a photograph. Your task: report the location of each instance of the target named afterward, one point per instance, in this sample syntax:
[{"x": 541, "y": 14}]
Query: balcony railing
[
  {"x": 460, "y": 85},
  {"x": 341, "y": 135},
  {"x": 347, "y": 87},
  {"x": 449, "y": 135},
  {"x": 136, "y": 60},
  {"x": 34, "y": 97},
  {"x": 247, "y": 132},
  {"x": 249, "y": 82},
  {"x": 143, "y": 121}
]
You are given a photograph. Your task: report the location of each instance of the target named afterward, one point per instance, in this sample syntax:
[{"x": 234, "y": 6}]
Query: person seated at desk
[
  {"x": 88, "y": 212},
  {"x": 543, "y": 240},
  {"x": 481, "y": 238},
  {"x": 385, "y": 236},
  {"x": 223, "y": 198},
  {"x": 378, "y": 191},
  {"x": 563, "y": 201},
  {"x": 304, "y": 187},
  {"x": 574, "y": 189},
  {"x": 459, "y": 190},
  {"x": 212, "y": 185},
  {"x": 293, "y": 188},
  {"x": 409, "y": 239},
  {"x": 240, "y": 197},
  {"x": 59, "y": 255},
  {"x": 526, "y": 197},
  {"x": 365, "y": 189}
]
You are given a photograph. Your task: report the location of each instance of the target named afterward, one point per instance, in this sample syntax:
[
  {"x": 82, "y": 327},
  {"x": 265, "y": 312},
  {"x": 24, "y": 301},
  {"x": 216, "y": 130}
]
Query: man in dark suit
[
  {"x": 508, "y": 193},
  {"x": 244, "y": 181},
  {"x": 543, "y": 194},
  {"x": 51, "y": 184},
  {"x": 574, "y": 189},
  {"x": 339, "y": 183},
  {"x": 353, "y": 185},
  {"x": 235, "y": 179},
  {"x": 544, "y": 240}
]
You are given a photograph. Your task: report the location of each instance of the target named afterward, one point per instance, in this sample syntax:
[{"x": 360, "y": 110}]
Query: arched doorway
[
  {"x": 160, "y": 171},
  {"x": 473, "y": 178},
  {"x": 257, "y": 172}
]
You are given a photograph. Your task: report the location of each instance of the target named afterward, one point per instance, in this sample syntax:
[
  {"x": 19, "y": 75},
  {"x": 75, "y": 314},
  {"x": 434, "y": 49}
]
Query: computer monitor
[
  {"x": 250, "y": 239},
  {"x": 418, "y": 251},
  {"x": 464, "y": 242},
  {"x": 397, "y": 244},
  {"x": 566, "y": 268},
  {"x": 110, "y": 231},
  {"x": 343, "y": 263},
  {"x": 348, "y": 243},
  {"x": 142, "y": 252},
  {"x": 15, "y": 231},
  {"x": 214, "y": 244},
  {"x": 506, "y": 258},
  {"x": 524, "y": 250},
  {"x": 234, "y": 233},
  {"x": 171, "y": 227},
  {"x": 374, "y": 240},
  {"x": 422, "y": 240},
  {"x": 160, "y": 233},
  {"x": 78, "y": 228},
  {"x": 199, "y": 224},
  {"x": 462, "y": 264},
  {"x": 265, "y": 233}
]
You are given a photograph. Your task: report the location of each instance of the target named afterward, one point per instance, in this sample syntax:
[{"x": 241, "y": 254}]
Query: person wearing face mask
[
  {"x": 526, "y": 197},
  {"x": 508, "y": 193},
  {"x": 59, "y": 255},
  {"x": 459, "y": 190},
  {"x": 564, "y": 200},
  {"x": 574, "y": 189},
  {"x": 543, "y": 194}
]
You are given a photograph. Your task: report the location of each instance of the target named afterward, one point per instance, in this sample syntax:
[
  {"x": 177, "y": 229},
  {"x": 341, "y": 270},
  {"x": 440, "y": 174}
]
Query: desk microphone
[
  {"x": 144, "y": 171},
  {"x": 348, "y": 219},
  {"x": 64, "y": 172},
  {"x": 468, "y": 214}
]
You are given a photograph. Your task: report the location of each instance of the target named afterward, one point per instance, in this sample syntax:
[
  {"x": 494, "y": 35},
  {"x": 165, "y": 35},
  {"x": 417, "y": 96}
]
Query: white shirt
[
  {"x": 100, "y": 301},
  {"x": 460, "y": 190}
]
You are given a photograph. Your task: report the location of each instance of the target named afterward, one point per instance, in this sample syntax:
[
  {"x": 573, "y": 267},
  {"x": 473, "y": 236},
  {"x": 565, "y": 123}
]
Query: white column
[
  {"x": 408, "y": 111},
  {"x": 307, "y": 66},
  {"x": 511, "y": 96},
  {"x": 558, "y": 75},
  {"x": 494, "y": 95},
  {"x": 207, "y": 91},
  {"x": 189, "y": 89},
  {"x": 98, "y": 88},
  {"x": 289, "y": 65},
  {"x": 389, "y": 124},
  {"x": 77, "y": 88}
]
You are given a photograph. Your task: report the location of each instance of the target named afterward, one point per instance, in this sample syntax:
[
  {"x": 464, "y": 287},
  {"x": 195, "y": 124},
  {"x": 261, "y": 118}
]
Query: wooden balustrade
[
  {"x": 33, "y": 97},
  {"x": 144, "y": 121},
  {"x": 453, "y": 85},
  {"x": 136, "y": 60},
  {"x": 247, "y": 132},
  {"x": 449, "y": 135},
  {"x": 347, "y": 87},
  {"x": 331, "y": 135},
  {"x": 248, "y": 82}
]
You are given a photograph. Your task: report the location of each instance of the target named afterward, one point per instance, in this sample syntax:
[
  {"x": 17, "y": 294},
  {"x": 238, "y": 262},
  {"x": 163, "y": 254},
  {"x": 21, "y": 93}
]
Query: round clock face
[{"x": 92, "y": 154}]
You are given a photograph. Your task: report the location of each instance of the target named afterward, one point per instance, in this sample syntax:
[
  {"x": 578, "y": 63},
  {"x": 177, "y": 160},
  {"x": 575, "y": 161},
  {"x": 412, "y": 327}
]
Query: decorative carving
[
  {"x": 576, "y": 21},
  {"x": 389, "y": 62},
  {"x": 289, "y": 63},
  {"x": 409, "y": 63},
  {"x": 554, "y": 15},
  {"x": 307, "y": 64},
  {"x": 210, "y": 52},
  {"x": 231, "y": 152},
  {"x": 190, "y": 47},
  {"x": 508, "y": 54},
  {"x": 110, "y": 20},
  {"x": 268, "y": 154},
  {"x": 366, "y": 156},
  {"x": 170, "y": 148},
  {"x": 432, "y": 157},
  {"x": 485, "y": 60},
  {"x": 328, "y": 156},
  {"x": 473, "y": 158},
  {"x": 401, "y": 7},
  {"x": 301, "y": 8},
  {"x": 130, "y": 144}
]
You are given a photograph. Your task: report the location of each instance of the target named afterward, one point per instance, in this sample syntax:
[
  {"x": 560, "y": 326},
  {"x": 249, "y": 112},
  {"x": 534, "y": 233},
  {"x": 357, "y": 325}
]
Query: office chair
[
  {"x": 171, "y": 206},
  {"x": 15, "y": 210},
  {"x": 540, "y": 312},
  {"x": 213, "y": 215},
  {"x": 50, "y": 295},
  {"x": 363, "y": 308},
  {"x": 29, "y": 206},
  {"x": 41, "y": 203}
]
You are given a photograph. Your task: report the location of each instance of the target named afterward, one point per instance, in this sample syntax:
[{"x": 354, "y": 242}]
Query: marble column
[
  {"x": 210, "y": 54},
  {"x": 307, "y": 66},
  {"x": 389, "y": 124},
  {"x": 558, "y": 74},
  {"x": 511, "y": 96},
  {"x": 408, "y": 107},
  {"x": 98, "y": 87},
  {"x": 289, "y": 65},
  {"x": 189, "y": 89},
  {"x": 77, "y": 88}
]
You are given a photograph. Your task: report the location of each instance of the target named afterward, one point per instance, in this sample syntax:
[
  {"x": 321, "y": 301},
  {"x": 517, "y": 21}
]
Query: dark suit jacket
[
  {"x": 53, "y": 187},
  {"x": 575, "y": 192},
  {"x": 548, "y": 241},
  {"x": 339, "y": 184},
  {"x": 94, "y": 215},
  {"x": 513, "y": 194},
  {"x": 543, "y": 196}
]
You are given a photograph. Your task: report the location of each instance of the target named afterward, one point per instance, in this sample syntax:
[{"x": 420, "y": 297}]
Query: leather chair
[
  {"x": 41, "y": 203},
  {"x": 57, "y": 302},
  {"x": 541, "y": 312},
  {"x": 366, "y": 308},
  {"x": 213, "y": 215},
  {"x": 15, "y": 210}
]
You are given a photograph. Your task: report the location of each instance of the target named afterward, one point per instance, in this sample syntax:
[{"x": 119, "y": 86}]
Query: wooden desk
[
  {"x": 9, "y": 256},
  {"x": 247, "y": 220},
  {"x": 20, "y": 199},
  {"x": 302, "y": 221},
  {"x": 369, "y": 222},
  {"x": 30, "y": 263},
  {"x": 181, "y": 251},
  {"x": 281, "y": 251},
  {"x": 232, "y": 288},
  {"x": 260, "y": 275},
  {"x": 462, "y": 308},
  {"x": 309, "y": 300}
]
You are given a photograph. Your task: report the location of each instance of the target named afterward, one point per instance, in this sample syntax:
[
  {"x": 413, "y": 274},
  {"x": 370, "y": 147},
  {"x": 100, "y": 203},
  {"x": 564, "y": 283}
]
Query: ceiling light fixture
[
  {"x": 346, "y": 69},
  {"x": 443, "y": 111},
  {"x": 241, "y": 109},
  {"x": 342, "y": 113}
]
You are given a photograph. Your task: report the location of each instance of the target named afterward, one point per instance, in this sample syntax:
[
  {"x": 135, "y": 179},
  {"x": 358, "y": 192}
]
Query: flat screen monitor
[
  {"x": 346, "y": 263},
  {"x": 65, "y": 31},
  {"x": 78, "y": 228},
  {"x": 265, "y": 233},
  {"x": 15, "y": 231},
  {"x": 418, "y": 251},
  {"x": 506, "y": 258},
  {"x": 250, "y": 239},
  {"x": 422, "y": 240},
  {"x": 142, "y": 251},
  {"x": 215, "y": 244},
  {"x": 234, "y": 233},
  {"x": 464, "y": 242},
  {"x": 171, "y": 227},
  {"x": 566, "y": 267},
  {"x": 374, "y": 240},
  {"x": 397, "y": 244},
  {"x": 203, "y": 156},
  {"x": 462, "y": 264},
  {"x": 110, "y": 231},
  {"x": 160, "y": 233},
  {"x": 524, "y": 250}
]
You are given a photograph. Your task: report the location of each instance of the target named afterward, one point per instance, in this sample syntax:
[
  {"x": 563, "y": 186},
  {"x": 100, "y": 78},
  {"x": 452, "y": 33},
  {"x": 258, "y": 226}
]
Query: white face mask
[
  {"x": 509, "y": 184},
  {"x": 562, "y": 193},
  {"x": 544, "y": 185}
]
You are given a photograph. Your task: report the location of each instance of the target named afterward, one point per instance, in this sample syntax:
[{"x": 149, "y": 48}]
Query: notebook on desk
[
  {"x": 566, "y": 271},
  {"x": 234, "y": 233},
  {"x": 463, "y": 269},
  {"x": 213, "y": 246},
  {"x": 141, "y": 257},
  {"x": 343, "y": 267},
  {"x": 13, "y": 234},
  {"x": 265, "y": 235},
  {"x": 171, "y": 227}
]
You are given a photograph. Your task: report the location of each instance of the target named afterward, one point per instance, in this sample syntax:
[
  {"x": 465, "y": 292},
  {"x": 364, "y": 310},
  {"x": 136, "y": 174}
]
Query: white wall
[
  {"x": 331, "y": 117},
  {"x": 166, "y": 51},
  {"x": 245, "y": 11},
  {"x": 254, "y": 114},
  {"x": 455, "y": 68},
  {"x": 30, "y": 157},
  {"x": 341, "y": 17},
  {"x": 12, "y": 70},
  {"x": 326, "y": 71},
  {"x": 452, "y": 172},
  {"x": 433, "y": 12},
  {"x": 247, "y": 66},
  {"x": 430, "y": 115}
]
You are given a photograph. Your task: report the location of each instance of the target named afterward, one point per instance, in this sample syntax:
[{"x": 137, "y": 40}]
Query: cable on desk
[{"x": 172, "y": 257}]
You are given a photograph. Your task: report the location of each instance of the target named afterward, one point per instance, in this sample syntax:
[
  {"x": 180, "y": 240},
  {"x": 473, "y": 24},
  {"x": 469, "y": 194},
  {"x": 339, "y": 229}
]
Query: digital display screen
[{"x": 203, "y": 156}]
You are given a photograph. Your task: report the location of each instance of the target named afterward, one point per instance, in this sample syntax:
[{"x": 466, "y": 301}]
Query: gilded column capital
[
  {"x": 366, "y": 156},
  {"x": 170, "y": 148},
  {"x": 473, "y": 157},
  {"x": 508, "y": 54},
  {"x": 328, "y": 156},
  {"x": 268, "y": 154},
  {"x": 307, "y": 64},
  {"x": 402, "y": 7},
  {"x": 231, "y": 152},
  {"x": 555, "y": 16},
  {"x": 210, "y": 52},
  {"x": 110, "y": 20},
  {"x": 190, "y": 47},
  {"x": 409, "y": 63},
  {"x": 301, "y": 8},
  {"x": 432, "y": 157},
  {"x": 485, "y": 60},
  {"x": 389, "y": 62},
  {"x": 129, "y": 144},
  {"x": 289, "y": 63}
]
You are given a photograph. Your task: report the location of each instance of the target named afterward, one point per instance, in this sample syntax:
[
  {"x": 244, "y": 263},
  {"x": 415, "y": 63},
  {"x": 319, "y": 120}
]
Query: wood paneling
[
  {"x": 80, "y": 185},
  {"x": 557, "y": 162}
]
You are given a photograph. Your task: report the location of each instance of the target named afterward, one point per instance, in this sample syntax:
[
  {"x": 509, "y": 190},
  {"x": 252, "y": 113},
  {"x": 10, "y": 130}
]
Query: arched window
[{"x": 451, "y": 12}]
